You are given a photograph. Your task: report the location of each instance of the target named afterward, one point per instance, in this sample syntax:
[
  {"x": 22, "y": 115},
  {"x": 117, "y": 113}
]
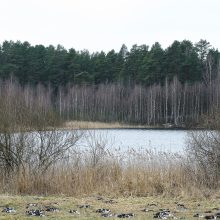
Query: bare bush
[
  {"x": 30, "y": 141},
  {"x": 96, "y": 148},
  {"x": 204, "y": 152},
  {"x": 50, "y": 147}
]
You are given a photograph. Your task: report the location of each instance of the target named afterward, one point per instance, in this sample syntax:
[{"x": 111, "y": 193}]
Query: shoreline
[{"x": 116, "y": 125}]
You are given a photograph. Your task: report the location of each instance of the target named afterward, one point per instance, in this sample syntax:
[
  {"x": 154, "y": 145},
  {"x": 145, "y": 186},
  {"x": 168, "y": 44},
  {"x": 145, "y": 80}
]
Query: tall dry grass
[
  {"x": 137, "y": 173},
  {"x": 99, "y": 125}
]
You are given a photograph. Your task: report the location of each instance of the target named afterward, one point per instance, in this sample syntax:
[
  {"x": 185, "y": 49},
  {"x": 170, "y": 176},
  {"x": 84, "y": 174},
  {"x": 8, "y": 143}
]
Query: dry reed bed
[{"x": 130, "y": 173}]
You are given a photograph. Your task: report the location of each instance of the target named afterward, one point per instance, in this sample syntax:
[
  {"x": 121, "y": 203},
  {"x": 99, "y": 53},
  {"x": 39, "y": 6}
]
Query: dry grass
[
  {"x": 122, "y": 205},
  {"x": 133, "y": 179},
  {"x": 113, "y": 174},
  {"x": 98, "y": 125}
]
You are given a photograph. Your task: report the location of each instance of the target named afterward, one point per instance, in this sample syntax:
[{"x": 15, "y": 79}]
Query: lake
[{"x": 158, "y": 139}]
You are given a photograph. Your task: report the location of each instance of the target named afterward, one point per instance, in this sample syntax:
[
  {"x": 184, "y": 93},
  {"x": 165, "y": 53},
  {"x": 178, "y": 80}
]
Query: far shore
[
  {"x": 98, "y": 125},
  {"x": 117, "y": 125}
]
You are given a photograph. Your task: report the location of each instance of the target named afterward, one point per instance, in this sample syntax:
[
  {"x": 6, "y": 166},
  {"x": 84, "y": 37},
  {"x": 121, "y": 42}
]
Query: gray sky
[{"x": 106, "y": 24}]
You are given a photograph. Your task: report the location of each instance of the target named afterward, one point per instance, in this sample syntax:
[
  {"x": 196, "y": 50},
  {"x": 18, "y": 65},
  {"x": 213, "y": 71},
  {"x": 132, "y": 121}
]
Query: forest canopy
[{"x": 142, "y": 64}]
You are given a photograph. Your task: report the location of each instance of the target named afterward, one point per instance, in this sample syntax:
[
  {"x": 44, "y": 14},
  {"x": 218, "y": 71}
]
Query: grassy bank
[{"x": 118, "y": 205}]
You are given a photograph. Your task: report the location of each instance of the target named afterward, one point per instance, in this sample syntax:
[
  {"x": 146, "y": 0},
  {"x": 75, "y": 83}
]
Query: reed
[{"x": 131, "y": 173}]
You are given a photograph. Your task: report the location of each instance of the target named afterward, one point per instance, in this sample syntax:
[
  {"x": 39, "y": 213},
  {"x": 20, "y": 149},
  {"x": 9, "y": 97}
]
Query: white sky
[{"x": 106, "y": 24}]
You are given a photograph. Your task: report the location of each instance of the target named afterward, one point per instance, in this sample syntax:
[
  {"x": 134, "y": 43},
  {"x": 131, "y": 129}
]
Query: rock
[
  {"x": 181, "y": 207},
  {"x": 163, "y": 214},
  {"x": 36, "y": 212},
  {"x": 107, "y": 215},
  {"x": 9, "y": 210},
  {"x": 164, "y": 210},
  {"x": 51, "y": 209},
  {"x": 217, "y": 215},
  {"x": 147, "y": 210},
  {"x": 72, "y": 211},
  {"x": 84, "y": 206},
  {"x": 110, "y": 201},
  {"x": 197, "y": 215},
  {"x": 125, "y": 215},
  {"x": 29, "y": 205},
  {"x": 210, "y": 217},
  {"x": 104, "y": 211}
]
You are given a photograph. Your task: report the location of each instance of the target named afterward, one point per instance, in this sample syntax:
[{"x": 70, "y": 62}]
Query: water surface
[{"x": 160, "y": 140}]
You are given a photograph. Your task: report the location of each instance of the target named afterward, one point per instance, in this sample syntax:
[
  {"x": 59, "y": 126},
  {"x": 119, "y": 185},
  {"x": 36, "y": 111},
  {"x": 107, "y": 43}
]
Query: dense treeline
[{"x": 141, "y": 65}]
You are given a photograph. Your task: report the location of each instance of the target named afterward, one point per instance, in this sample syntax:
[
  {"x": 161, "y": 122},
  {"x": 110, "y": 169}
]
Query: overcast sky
[{"x": 106, "y": 24}]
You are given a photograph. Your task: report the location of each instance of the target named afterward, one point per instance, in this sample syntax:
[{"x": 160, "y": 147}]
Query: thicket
[
  {"x": 30, "y": 142},
  {"x": 204, "y": 151},
  {"x": 182, "y": 105}
]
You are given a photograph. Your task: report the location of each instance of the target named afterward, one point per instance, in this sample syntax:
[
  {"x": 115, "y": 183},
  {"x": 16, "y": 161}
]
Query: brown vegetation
[
  {"x": 97, "y": 170},
  {"x": 100, "y": 172},
  {"x": 99, "y": 125},
  {"x": 204, "y": 151}
]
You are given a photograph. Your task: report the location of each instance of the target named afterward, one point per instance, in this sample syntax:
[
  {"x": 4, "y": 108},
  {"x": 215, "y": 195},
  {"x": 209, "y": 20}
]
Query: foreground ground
[{"x": 179, "y": 208}]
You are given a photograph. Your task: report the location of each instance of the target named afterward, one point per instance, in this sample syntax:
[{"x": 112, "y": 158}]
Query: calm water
[{"x": 160, "y": 140}]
